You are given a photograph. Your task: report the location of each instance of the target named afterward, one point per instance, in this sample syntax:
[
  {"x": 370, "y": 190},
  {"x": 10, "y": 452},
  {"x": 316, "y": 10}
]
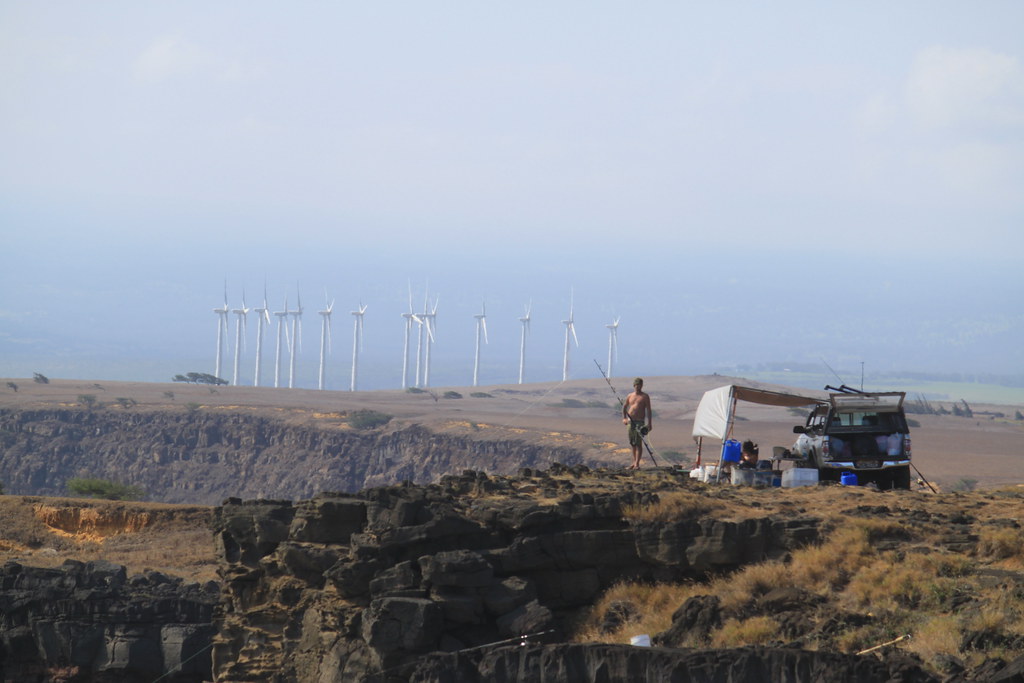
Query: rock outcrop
[
  {"x": 204, "y": 457},
  {"x": 93, "y": 622},
  {"x": 340, "y": 587},
  {"x": 576, "y": 662}
]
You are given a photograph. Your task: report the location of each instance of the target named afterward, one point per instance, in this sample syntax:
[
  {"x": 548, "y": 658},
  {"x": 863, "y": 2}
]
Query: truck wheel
[{"x": 901, "y": 478}]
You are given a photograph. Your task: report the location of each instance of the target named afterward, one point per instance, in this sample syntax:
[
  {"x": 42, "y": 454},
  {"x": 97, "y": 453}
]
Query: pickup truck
[{"x": 860, "y": 432}]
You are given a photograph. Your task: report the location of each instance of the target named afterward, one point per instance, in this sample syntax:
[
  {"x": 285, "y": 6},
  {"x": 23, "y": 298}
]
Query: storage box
[
  {"x": 742, "y": 477},
  {"x": 799, "y": 476},
  {"x": 709, "y": 474},
  {"x": 763, "y": 477}
]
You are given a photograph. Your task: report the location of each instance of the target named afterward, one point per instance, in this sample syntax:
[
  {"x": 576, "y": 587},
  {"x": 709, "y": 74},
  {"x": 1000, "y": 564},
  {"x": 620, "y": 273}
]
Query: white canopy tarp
[{"x": 717, "y": 408}]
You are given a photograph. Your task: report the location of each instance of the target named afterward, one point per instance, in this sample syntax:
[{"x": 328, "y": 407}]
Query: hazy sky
[{"x": 738, "y": 181}]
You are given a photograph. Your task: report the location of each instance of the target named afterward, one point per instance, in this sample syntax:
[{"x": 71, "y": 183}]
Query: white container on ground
[
  {"x": 799, "y": 476},
  {"x": 640, "y": 641},
  {"x": 709, "y": 474}
]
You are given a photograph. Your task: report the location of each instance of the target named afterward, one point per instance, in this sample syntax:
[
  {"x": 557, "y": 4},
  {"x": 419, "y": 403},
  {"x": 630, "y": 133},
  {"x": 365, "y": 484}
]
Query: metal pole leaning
[{"x": 643, "y": 437}]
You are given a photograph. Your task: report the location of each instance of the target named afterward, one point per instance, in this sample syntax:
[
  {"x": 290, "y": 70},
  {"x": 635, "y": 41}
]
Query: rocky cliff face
[
  {"x": 204, "y": 457},
  {"x": 346, "y": 588},
  {"x": 476, "y": 578},
  {"x": 92, "y": 622}
]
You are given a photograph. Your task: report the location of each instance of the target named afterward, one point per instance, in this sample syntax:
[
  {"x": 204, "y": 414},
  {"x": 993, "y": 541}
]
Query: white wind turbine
[
  {"x": 222, "y": 329},
  {"x": 481, "y": 324},
  {"x": 410, "y": 318},
  {"x": 570, "y": 328},
  {"x": 613, "y": 343},
  {"x": 239, "y": 324},
  {"x": 325, "y": 339},
  {"x": 428, "y": 322},
  {"x": 282, "y": 328},
  {"x": 357, "y": 342},
  {"x": 262, "y": 316},
  {"x": 422, "y": 321},
  {"x": 296, "y": 337},
  {"x": 525, "y": 320}
]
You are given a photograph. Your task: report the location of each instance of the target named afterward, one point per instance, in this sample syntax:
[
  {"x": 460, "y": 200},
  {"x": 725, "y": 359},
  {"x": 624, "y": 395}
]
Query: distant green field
[{"x": 972, "y": 392}]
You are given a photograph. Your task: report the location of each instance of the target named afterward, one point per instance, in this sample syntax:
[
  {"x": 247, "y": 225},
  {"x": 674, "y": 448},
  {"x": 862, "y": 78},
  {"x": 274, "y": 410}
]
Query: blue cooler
[
  {"x": 848, "y": 478},
  {"x": 731, "y": 451}
]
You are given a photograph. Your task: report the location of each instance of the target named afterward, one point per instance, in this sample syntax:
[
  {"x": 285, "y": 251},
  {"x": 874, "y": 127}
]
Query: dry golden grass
[
  {"x": 874, "y": 564},
  {"x": 1003, "y": 545},
  {"x": 672, "y": 507},
  {"x": 936, "y": 636},
  {"x": 654, "y": 604},
  {"x": 752, "y": 631},
  {"x": 739, "y": 589},
  {"x": 890, "y": 586}
]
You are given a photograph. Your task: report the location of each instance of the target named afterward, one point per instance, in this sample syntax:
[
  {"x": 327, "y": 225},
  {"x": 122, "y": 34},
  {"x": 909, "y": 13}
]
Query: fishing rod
[{"x": 643, "y": 436}]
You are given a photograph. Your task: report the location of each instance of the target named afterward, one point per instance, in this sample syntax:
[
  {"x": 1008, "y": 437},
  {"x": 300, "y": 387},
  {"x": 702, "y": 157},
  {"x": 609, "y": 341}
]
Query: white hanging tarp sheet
[{"x": 715, "y": 413}]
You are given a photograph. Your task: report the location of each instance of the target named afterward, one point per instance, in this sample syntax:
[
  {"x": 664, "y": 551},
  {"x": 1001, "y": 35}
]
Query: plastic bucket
[
  {"x": 731, "y": 451},
  {"x": 848, "y": 478}
]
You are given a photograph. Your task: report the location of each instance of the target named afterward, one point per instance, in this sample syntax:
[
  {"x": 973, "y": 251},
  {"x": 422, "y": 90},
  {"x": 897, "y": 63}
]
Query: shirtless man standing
[{"x": 635, "y": 411}]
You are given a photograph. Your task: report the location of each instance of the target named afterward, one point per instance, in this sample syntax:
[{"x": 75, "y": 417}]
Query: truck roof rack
[{"x": 843, "y": 389}]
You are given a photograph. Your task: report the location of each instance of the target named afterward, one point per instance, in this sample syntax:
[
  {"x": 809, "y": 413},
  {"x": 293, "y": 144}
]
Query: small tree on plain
[{"x": 102, "y": 488}]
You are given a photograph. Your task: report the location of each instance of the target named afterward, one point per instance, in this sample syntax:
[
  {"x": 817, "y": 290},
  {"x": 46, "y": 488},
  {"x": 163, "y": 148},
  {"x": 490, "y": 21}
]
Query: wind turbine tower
[
  {"x": 262, "y": 316},
  {"x": 613, "y": 343},
  {"x": 357, "y": 342},
  {"x": 239, "y": 324},
  {"x": 296, "y": 337},
  {"x": 570, "y": 328},
  {"x": 410, "y": 318},
  {"x": 222, "y": 329},
  {"x": 525, "y": 320},
  {"x": 325, "y": 338},
  {"x": 422, "y": 320},
  {"x": 481, "y": 324},
  {"x": 282, "y": 329},
  {"x": 428, "y": 322}
]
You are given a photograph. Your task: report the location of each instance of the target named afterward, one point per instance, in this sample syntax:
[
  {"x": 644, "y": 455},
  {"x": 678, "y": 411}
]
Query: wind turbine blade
[
  {"x": 573, "y": 328},
  {"x": 483, "y": 323}
]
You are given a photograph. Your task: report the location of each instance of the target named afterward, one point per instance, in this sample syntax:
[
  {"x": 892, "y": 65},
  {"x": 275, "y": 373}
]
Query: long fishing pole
[
  {"x": 643, "y": 437},
  {"x": 922, "y": 478}
]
